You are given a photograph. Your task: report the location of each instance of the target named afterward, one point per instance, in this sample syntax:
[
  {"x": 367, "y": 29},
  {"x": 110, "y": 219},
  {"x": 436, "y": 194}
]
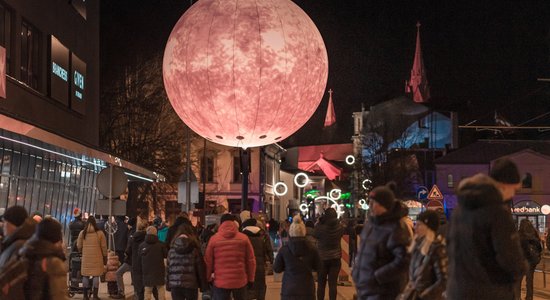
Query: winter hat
[
  {"x": 330, "y": 213},
  {"x": 505, "y": 171},
  {"x": 249, "y": 222},
  {"x": 430, "y": 218},
  {"x": 245, "y": 215},
  {"x": 16, "y": 215},
  {"x": 49, "y": 229},
  {"x": 297, "y": 228},
  {"x": 77, "y": 212},
  {"x": 227, "y": 217},
  {"x": 383, "y": 196}
]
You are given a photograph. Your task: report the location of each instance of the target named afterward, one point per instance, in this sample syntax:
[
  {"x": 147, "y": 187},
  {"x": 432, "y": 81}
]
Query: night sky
[{"x": 479, "y": 55}]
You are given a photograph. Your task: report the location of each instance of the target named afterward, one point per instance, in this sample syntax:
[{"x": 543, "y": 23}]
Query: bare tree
[{"x": 139, "y": 124}]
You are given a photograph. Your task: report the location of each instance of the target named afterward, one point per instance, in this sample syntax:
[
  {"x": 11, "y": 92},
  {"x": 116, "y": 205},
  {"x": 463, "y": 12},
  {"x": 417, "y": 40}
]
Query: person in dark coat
[
  {"x": 328, "y": 233},
  {"x": 121, "y": 237},
  {"x": 133, "y": 253},
  {"x": 262, "y": 251},
  {"x": 75, "y": 227},
  {"x": 428, "y": 267},
  {"x": 186, "y": 270},
  {"x": 18, "y": 228},
  {"x": 485, "y": 257},
  {"x": 152, "y": 254},
  {"x": 532, "y": 249},
  {"x": 380, "y": 269},
  {"x": 47, "y": 272},
  {"x": 297, "y": 260}
]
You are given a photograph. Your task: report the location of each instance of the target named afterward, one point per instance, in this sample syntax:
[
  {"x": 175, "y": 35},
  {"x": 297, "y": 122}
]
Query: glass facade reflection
[{"x": 45, "y": 179}]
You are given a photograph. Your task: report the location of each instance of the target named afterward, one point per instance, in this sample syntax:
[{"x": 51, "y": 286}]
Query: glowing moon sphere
[{"x": 245, "y": 73}]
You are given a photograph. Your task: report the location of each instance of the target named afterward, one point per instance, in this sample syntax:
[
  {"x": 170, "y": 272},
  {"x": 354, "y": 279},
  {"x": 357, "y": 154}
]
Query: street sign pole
[{"x": 110, "y": 243}]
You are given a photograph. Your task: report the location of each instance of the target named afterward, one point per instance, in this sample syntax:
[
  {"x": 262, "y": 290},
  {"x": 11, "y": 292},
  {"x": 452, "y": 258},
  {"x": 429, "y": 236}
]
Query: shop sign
[{"x": 526, "y": 208}]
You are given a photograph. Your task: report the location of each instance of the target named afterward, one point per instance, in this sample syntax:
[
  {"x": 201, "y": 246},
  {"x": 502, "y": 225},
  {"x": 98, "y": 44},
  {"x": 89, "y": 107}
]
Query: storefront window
[
  {"x": 527, "y": 182},
  {"x": 450, "y": 182},
  {"x": 30, "y": 55}
]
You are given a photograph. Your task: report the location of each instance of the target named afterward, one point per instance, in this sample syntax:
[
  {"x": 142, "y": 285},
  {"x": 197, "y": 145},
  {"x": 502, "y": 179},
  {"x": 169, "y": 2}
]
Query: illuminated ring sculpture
[
  {"x": 306, "y": 180},
  {"x": 350, "y": 160},
  {"x": 366, "y": 181},
  {"x": 362, "y": 202},
  {"x": 303, "y": 208},
  {"x": 277, "y": 185},
  {"x": 337, "y": 191}
]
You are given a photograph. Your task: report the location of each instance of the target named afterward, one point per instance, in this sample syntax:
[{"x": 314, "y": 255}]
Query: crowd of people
[{"x": 480, "y": 254}]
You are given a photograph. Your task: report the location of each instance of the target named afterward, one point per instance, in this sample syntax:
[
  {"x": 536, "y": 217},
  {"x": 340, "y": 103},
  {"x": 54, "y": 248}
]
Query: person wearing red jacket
[{"x": 230, "y": 261}]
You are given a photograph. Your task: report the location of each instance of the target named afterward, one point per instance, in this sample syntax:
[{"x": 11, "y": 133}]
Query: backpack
[{"x": 533, "y": 254}]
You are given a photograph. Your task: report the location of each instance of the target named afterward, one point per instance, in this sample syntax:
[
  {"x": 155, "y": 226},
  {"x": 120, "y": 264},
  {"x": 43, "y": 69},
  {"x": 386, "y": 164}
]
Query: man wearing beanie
[
  {"x": 45, "y": 256},
  {"x": 380, "y": 270},
  {"x": 75, "y": 227},
  {"x": 328, "y": 233},
  {"x": 18, "y": 228},
  {"x": 483, "y": 243},
  {"x": 508, "y": 181},
  {"x": 230, "y": 261},
  {"x": 262, "y": 251},
  {"x": 297, "y": 259}
]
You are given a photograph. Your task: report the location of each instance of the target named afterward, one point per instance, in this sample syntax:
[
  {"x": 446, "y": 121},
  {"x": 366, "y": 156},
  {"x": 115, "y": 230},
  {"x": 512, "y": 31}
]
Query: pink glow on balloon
[{"x": 245, "y": 73}]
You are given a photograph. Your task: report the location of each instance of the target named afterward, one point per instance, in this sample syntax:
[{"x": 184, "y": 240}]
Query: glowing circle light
[
  {"x": 277, "y": 186},
  {"x": 245, "y": 73},
  {"x": 304, "y": 182},
  {"x": 545, "y": 209},
  {"x": 367, "y": 184},
  {"x": 303, "y": 208},
  {"x": 335, "y": 194},
  {"x": 350, "y": 160}
]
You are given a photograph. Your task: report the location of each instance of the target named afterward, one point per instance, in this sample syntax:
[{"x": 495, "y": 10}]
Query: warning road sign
[{"x": 435, "y": 193}]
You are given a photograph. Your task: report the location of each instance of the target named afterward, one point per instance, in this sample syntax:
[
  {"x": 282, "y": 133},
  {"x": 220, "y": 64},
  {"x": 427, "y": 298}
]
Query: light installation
[
  {"x": 350, "y": 160},
  {"x": 281, "y": 185},
  {"x": 304, "y": 182},
  {"x": 245, "y": 73}
]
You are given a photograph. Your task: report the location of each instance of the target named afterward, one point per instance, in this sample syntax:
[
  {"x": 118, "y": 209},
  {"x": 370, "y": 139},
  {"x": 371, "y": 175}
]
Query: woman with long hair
[
  {"x": 186, "y": 271},
  {"x": 92, "y": 244},
  {"x": 428, "y": 267},
  {"x": 532, "y": 249}
]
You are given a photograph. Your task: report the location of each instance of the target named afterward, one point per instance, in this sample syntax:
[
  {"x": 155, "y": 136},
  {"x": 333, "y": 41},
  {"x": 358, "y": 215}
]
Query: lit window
[
  {"x": 30, "y": 55},
  {"x": 450, "y": 181}
]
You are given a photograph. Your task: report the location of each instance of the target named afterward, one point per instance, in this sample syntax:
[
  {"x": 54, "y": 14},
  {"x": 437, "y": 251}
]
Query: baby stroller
[{"x": 75, "y": 278}]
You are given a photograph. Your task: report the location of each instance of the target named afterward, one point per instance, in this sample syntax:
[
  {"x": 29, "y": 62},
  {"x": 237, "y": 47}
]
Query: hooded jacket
[
  {"x": 262, "y": 250},
  {"x": 93, "y": 249},
  {"x": 230, "y": 260},
  {"x": 75, "y": 227},
  {"x": 485, "y": 258},
  {"x": 152, "y": 253},
  {"x": 382, "y": 260},
  {"x": 297, "y": 260},
  {"x": 12, "y": 243},
  {"x": 47, "y": 271},
  {"x": 328, "y": 234},
  {"x": 186, "y": 266},
  {"x": 132, "y": 251}
]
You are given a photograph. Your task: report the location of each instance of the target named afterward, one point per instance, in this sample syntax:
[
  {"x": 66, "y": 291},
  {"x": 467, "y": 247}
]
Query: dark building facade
[{"x": 49, "y": 108}]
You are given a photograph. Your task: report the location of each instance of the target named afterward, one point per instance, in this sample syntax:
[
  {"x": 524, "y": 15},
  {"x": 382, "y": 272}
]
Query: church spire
[
  {"x": 418, "y": 83},
  {"x": 330, "y": 118}
]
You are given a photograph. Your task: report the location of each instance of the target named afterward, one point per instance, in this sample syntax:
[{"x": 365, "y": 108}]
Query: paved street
[{"x": 344, "y": 292}]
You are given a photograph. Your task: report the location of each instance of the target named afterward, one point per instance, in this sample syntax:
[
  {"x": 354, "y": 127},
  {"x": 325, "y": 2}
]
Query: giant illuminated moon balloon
[{"x": 245, "y": 73}]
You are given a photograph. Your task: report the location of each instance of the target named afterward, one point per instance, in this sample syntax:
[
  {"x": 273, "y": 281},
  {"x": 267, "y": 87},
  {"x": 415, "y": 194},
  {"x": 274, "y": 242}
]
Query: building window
[
  {"x": 207, "y": 166},
  {"x": 269, "y": 171},
  {"x": 30, "y": 55},
  {"x": 527, "y": 182},
  {"x": 450, "y": 181},
  {"x": 6, "y": 36},
  {"x": 237, "y": 173}
]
